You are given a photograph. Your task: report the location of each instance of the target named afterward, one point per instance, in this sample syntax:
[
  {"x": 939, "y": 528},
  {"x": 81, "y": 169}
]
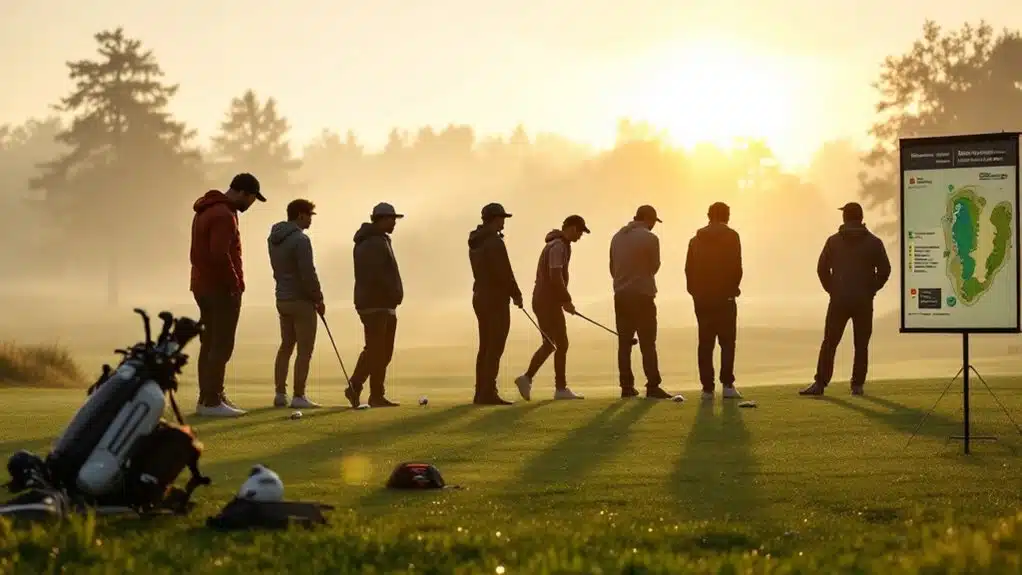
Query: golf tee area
[{"x": 602, "y": 485}]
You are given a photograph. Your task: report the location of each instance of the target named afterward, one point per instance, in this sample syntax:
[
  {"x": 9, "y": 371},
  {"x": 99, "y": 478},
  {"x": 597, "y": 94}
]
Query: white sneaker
[
  {"x": 301, "y": 402},
  {"x": 524, "y": 384},
  {"x": 567, "y": 394},
  {"x": 222, "y": 410},
  {"x": 280, "y": 400},
  {"x": 731, "y": 393},
  {"x": 707, "y": 396}
]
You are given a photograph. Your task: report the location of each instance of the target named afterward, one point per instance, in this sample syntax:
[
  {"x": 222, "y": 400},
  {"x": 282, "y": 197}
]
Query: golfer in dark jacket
[
  {"x": 634, "y": 263},
  {"x": 217, "y": 281},
  {"x": 550, "y": 299},
  {"x": 853, "y": 267},
  {"x": 378, "y": 293},
  {"x": 299, "y": 300},
  {"x": 713, "y": 275},
  {"x": 493, "y": 289}
]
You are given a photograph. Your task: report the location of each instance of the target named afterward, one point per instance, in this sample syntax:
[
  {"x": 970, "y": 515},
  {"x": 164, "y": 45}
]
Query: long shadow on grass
[
  {"x": 715, "y": 476},
  {"x": 899, "y": 417}
]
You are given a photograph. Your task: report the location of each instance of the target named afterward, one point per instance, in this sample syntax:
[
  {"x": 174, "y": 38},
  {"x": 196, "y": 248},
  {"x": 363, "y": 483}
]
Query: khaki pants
[{"x": 298, "y": 323}]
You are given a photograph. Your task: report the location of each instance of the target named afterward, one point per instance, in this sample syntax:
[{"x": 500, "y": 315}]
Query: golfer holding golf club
[
  {"x": 378, "y": 293},
  {"x": 299, "y": 300},
  {"x": 493, "y": 289},
  {"x": 550, "y": 299},
  {"x": 634, "y": 263}
]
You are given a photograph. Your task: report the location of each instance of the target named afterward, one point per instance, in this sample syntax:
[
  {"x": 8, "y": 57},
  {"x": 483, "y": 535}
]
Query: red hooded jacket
[{"x": 216, "y": 247}]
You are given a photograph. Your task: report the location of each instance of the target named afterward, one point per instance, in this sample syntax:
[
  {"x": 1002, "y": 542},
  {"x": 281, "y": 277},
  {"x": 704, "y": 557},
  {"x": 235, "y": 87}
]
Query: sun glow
[{"x": 715, "y": 92}]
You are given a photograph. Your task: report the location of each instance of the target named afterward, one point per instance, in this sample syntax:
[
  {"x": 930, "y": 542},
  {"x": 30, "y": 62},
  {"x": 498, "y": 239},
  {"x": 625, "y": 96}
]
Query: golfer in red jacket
[{"x": 217, "y": 284}]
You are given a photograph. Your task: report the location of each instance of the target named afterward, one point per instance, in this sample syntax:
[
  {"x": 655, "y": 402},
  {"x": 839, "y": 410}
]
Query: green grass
[
  {"x": 796, "y": 485},
  {"x": 38, "y": 365}
]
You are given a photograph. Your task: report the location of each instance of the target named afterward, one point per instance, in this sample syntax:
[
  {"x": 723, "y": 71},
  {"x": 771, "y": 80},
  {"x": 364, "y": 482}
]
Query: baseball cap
[
  {"x": 383, "y": 210},
  {"x": 852, "y": 210},
  {"x": 645, "y": 213},
  {"x": 577, "y": 221},
  {"x": 248, "y": 184},
  {"x": 494, "y": 210}
]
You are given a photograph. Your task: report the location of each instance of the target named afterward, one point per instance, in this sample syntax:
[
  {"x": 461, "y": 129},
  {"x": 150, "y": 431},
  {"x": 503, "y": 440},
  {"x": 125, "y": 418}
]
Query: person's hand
[
  {"x": 518, "y": 302},
  {"x": 321, "y": 308},
  {"x": 569, "y": 307}
]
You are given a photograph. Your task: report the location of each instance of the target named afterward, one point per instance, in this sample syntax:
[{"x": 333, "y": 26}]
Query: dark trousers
[
  {"x": 494, "y": 318},
  {"x": 838, "y": 314},
  {"x": 718, "y": 324},
  {"x": 550, "y": 317},
  {"x": 219, "y": 315},
  {"x": 635, "y": 315},
  {"x": 380, "y": 328}
]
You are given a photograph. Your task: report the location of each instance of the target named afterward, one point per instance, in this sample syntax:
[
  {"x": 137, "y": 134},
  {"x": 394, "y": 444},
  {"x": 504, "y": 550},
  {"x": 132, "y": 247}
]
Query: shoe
[
  {"x": 814, "y": 389},
  {"x": 301, "y": 402},
  {"x": 220, "y": 410},
  {"x": 707, "y": 395},
  {"x": 352, "y": 396},
  {"x": 657, "y": 393},
  {"x": 627, "y": 392},
  {"x": 226, "y": 401},
  {"x": 280, "y": 400},
  {"x": 524, "y": 384},
  {"x": 491, "y": 400},
  {"x": 857, "y": 390},
  {"x": 566, "y": 393},
  {"x": 731, "y": 393},
  {"x": 382, "y": 402}
]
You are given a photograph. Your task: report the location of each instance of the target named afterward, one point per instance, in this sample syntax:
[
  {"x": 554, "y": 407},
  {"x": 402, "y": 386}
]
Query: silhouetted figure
[
  {"x": 550, "y": 299},
  {"x": 713, "y": 274},
  {"x": 853, "y": 267},
  {"x": 299, "y": 300},
  {"x": 378, "y": 293},
  {"x": 634, "y": 263},
  {"x": 217, "y": 282},
  {"x": 493, "y": 289}
]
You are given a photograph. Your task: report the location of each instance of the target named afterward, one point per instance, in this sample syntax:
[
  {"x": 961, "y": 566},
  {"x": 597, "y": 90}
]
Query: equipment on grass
[
  {"x": 424, "y": 401},
  {"x": 749, "y": 403},
  {"x": 410, "y": 475},
  {"x": 118, "y": 452},
  {"x": 260, "y": 504},
  {"x": 634, "y": 340},
  {"x": 678, "y": 398},
  {"x": 296, "y": 415},
  {"x": 263, "y": 485}
]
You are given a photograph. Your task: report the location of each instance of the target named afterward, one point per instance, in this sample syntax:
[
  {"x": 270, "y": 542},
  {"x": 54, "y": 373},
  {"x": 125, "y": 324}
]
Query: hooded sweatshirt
[
  {"x": 492, "y": 276},
  {"x": 293, "y": 266},
  {"x": 853, "y": 265},
  {"x": 713, "y": 264},
  {"x": 552, "y": 270},
  {"x": 378, "y": 284},
  {"x": 216, "y": 247},
  {"x": 635, "y": 260}
]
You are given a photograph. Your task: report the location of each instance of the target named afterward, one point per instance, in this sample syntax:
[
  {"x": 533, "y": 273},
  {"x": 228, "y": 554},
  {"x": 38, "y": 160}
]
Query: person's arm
[
  {"x": 505, "y": 272},
  {"x": 690, "y": 267},
  {"x": 307, "y": 270},
  {"x": 739, "y": 271},
  {"x": 883, "y": 266},
  {"x": 654, "y": 254},
  {"x": 558, "y": 257},
  {"x": 823, "y": 267},
  {"x": 222, "y": 230}
]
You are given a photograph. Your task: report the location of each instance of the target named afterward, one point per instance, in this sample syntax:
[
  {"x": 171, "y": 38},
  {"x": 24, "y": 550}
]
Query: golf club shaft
[
  {"x": 347, "y": 380},
  {"x": 539, "y": 329},
  {"x": 597, "y": 324}
]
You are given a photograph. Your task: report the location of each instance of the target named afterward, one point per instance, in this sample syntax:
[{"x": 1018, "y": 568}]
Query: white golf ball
[
  {"x": 296, "y": 415},
  {"x": 423, "y": 400},
  {"x": 678, "y": 399}
]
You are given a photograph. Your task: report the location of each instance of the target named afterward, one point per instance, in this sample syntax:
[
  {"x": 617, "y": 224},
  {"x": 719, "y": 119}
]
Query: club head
[{"x": 747, "y": 404}]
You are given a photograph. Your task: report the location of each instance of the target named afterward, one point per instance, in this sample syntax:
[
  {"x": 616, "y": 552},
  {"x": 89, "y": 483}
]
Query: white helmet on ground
[{"x": 262, "y": 485}]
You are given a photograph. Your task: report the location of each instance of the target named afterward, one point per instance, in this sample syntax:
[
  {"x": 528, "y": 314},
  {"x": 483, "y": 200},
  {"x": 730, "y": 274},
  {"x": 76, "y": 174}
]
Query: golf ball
[
  {"x": 423, "y": 400},
  {"x": 296, "y": 415},
  {"x": 678, "y": 399}
]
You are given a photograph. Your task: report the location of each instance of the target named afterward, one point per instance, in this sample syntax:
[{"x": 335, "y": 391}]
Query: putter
[
  {"x": 539, "y": 329},
  {"x": 339, "y": 360},
  {"x": 605, "y": 328}
]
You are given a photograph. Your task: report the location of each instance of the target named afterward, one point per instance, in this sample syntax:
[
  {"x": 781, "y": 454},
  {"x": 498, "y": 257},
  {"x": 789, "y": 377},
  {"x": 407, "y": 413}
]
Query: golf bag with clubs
[{"x": 119, "y": 452}]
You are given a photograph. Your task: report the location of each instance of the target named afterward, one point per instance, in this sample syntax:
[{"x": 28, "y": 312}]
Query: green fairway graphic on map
[{"x": 977, "y": 241}]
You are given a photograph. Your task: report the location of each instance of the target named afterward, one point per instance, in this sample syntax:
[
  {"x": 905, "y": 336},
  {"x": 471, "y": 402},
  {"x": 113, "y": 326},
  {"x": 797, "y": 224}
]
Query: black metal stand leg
[
  {"x": 927, "y": 414},
  {"x": 998, "y": 400}
]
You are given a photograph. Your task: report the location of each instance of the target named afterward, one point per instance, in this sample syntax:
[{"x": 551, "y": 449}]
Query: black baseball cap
[
  {"x": 246, "y": 183},
  {"x": 852, "y": 210},
  {"x": 646, "y": 213},
  {"x": 577, "y": 221},
  {"x": 494, "y": 210}
]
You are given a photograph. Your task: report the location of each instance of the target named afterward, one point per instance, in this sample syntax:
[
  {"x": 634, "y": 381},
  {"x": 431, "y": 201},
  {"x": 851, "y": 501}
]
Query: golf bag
[{"x": 118, "y": 450}]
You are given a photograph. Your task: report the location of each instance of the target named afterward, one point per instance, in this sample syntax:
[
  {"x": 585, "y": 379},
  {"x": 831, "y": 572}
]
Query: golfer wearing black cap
[
  {"x": 634, "y": 263},
  {"x": 550, "y": 299},
  {"x": 713, "y": 274},
  {"x": 853, "y": 267},
  {"x": 493, "y": 289},
  {"x": 378, "y": 293}
]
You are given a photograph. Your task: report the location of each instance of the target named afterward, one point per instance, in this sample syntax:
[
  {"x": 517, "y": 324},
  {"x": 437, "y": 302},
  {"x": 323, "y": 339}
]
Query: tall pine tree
[{"x": 130, "y": 165}]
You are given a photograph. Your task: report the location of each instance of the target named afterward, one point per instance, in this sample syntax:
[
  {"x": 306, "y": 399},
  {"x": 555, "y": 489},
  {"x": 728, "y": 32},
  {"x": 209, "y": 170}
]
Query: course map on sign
[{"x": 958, "y": 231}]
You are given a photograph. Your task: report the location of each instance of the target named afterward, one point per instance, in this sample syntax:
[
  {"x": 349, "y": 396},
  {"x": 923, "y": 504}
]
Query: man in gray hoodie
[
  {"x": 634, "y": 263},
  {"x": 378, "y": 293},
  {"x": 299, "y": 299}
]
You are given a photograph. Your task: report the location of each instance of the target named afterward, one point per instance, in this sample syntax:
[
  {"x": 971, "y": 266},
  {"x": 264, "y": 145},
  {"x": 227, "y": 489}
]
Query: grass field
[{"x": 602, "y": 485}]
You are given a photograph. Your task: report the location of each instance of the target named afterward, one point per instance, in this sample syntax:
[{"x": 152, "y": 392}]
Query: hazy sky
[{"x": 795, "y": 71}]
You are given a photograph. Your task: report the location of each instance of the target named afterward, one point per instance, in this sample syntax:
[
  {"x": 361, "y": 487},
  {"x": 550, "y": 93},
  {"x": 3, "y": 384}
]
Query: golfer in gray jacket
[
  {"x": 634, "y": 263},
  {"x": 299, "y": 299}
]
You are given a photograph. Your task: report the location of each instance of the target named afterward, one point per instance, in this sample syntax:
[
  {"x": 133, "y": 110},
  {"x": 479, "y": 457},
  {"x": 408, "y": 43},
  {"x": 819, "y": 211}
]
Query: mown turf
[{"x": 596, "y": 486}]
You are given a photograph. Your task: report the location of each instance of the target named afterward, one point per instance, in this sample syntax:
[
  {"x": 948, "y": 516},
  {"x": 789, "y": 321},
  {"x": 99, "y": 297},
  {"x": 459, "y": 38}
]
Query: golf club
[
  {"x": 539, "y": 329},
  {"x": 605, "y": 328},
  {"x": 347, "y": 380}
]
